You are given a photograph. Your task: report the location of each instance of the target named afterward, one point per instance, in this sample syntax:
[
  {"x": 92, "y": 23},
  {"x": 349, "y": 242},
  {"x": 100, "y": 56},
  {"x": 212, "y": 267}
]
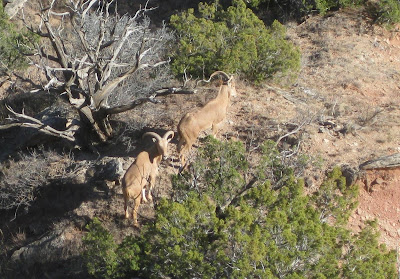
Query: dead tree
[
  {"x": 384, "y": 162},
  {"x": 102, "y": 63}
]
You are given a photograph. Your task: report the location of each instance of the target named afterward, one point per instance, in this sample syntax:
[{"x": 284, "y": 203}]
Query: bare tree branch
[
  {"x": 30, "y": 122},
  {"x": 101, "y": 95},
  {"x": 285, "y": 94},
  {"x": 236, "y": 198},
  {"x": 151, "y": 99},
  {"x": 55, "y": 40},
  {"x": 100, "y": 60},
  {"x": 307, "y": 121},
  {"x": 385, "y": 162}
]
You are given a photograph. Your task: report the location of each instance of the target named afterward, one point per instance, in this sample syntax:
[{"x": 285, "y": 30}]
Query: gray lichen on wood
[{"x": 390, "y": 161}]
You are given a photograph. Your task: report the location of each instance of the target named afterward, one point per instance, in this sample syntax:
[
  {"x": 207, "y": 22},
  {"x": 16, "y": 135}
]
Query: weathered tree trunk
[
  {"x": 89, "y": 56},
  {"x": 94, "y": 123},
  {"x": 385, "y": 162}
]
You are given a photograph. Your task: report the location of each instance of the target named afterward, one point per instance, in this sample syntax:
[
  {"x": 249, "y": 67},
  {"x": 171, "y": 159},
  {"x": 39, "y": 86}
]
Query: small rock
[
  {"x": 378, "y": 181},
  {"x": 350, "y": 173},
  {"x": 308, "y": 182},
  {"x": 107, "y": 168},
  {"x": 58, "y": 244}
]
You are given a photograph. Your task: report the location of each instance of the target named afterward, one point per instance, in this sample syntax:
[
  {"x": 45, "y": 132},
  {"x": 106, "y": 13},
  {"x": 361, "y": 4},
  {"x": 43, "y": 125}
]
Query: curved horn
[
  {"x": 152, "y": 134},
  {"x": 168, "y": 134},
  {"x": 223, "y": 74},
  {"x": 220, "y": 73}
]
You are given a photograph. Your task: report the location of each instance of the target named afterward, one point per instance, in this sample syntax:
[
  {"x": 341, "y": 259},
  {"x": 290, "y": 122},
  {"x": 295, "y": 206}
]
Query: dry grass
[
  {"x": 349, "y": 74},
  {"x": 19, "y": 238},
  {"x": 22, "y": 178}
]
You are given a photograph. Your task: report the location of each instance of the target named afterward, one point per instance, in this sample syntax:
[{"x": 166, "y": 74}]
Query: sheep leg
[
  {"x": 144, "y": 195},
  {"x": 135, "y": 210},
  {"x": 126, "y": 200},
  {"x": 144, "y": 190},
  {"x": 180, "y": 148},
  {"x": 180, "y": 144},
  {"x": 184, "y": 151},
  {"x": 182, "y": 159},
  {"x": 214, "y": 129},
  {"x": 151, "y": 185}
]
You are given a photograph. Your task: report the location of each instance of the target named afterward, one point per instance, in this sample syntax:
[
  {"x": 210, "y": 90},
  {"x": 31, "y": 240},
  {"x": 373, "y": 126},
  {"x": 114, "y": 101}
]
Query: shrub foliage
[
  {"x": 234, "y": 40},
  {"x": 106, "y": 259},
  {"x": 387, "y": 12},
  {"x": 14, "y": 44},
  {"x": 22, "y": 178},
  {"x": 219, "y": 225},
  {"x": 298, "y": 9},
  {"x": 384, "y": 12}
]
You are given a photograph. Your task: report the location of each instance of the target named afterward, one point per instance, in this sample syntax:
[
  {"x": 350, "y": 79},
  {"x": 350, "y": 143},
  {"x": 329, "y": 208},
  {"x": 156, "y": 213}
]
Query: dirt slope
[
  {"x": 351, "y": 69},
  {"x": 347, "y": 97}
]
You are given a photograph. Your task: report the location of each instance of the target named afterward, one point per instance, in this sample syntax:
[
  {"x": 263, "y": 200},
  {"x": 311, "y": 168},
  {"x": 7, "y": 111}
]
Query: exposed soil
[
  {"x": 347, "y": 95},
  {"x": 382, "y": 202},
  {"x": 350, "y": 80},
  {"x": 351, "y": 68}
]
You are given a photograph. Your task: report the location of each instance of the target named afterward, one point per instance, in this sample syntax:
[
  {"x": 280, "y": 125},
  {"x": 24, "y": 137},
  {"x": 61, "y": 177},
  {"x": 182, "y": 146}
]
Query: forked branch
[
  {"x": 23, "y": 120},
  {"x": 306, "y": 122},
  {"x": 150, "y": 99}
]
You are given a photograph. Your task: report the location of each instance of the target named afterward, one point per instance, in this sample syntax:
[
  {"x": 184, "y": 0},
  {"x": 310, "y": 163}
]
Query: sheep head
[
  {"x": 227, "y": 80},
  {"x": 161, "y": 143}
]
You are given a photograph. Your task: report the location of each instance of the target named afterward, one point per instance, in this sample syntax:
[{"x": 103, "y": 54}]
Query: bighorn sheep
[
  {"x": 143, "y": 170},
  {"x": 208, "y": 116}
]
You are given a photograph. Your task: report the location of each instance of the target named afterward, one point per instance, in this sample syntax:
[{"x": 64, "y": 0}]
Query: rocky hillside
[
  {"x": 350, "y": 76},
  {"x": 343, "y": 110}
]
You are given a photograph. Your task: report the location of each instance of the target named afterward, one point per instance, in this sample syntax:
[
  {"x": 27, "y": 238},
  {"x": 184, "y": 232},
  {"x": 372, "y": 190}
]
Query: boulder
[
  {"x": 107, "y": 168},
  {"x": 57, "y": 245},
  {"x": 12, "y": 7},
  {"x": 350, "y": 173}
]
